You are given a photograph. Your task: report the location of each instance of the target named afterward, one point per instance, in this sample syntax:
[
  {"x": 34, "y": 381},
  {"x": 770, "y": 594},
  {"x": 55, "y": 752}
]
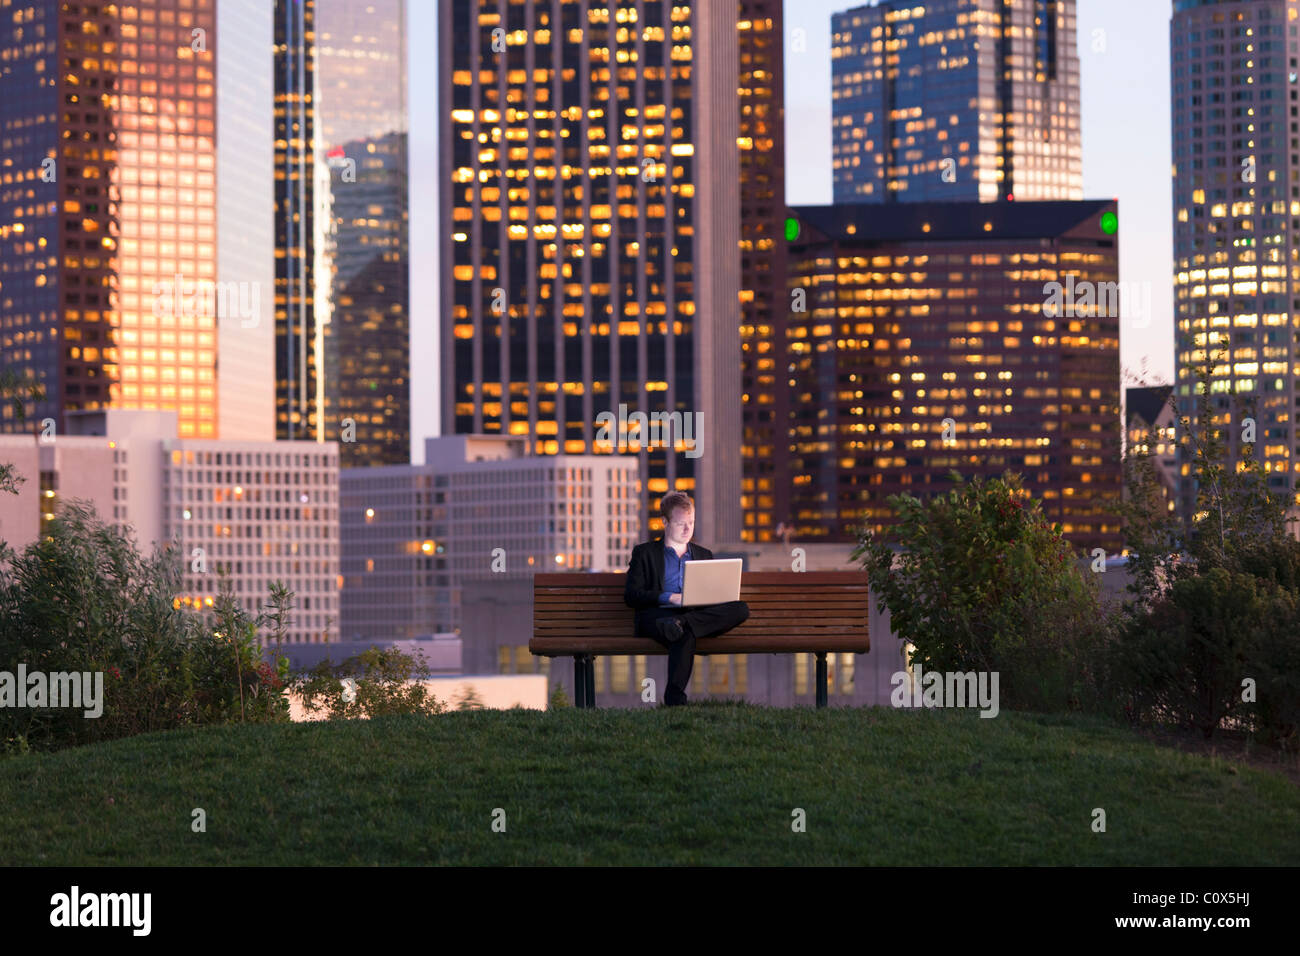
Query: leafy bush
[
  {"x": 83, "y": 599},
  {"x": 1215, "y": 591},
  {"x": 1185, "y": 659},
  {"x": 374, "y": 683},
  {"x": 469, "y": 699},
  {"x": 985, "y": 582},
  {"x": 1274, "y": 663}
]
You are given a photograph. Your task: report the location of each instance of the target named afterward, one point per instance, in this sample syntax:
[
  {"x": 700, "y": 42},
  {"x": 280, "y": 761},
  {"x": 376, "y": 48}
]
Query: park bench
[{"x": 790, "y": 612}]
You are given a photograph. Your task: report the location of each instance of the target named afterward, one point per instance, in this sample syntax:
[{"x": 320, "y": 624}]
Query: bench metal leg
[
  {"x": 579, "y": 682},
  {"x": 584, "y": 680},
  {"x": 821, "y": 678}
]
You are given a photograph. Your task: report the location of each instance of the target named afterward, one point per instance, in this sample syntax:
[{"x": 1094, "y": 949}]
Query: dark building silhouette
[{"x": 297, "y": 332}]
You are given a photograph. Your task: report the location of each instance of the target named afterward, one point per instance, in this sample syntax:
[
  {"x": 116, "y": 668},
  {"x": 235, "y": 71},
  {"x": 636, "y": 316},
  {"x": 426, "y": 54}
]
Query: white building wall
[
  {"x": 264, "y": 511},
  {"x": 245, "y": 219},
  {"x": 20, "y": 514}
]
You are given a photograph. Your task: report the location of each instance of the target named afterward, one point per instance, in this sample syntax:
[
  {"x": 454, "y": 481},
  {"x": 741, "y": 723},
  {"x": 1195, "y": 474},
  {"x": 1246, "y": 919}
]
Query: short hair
[{"x": 672, "y": 501}]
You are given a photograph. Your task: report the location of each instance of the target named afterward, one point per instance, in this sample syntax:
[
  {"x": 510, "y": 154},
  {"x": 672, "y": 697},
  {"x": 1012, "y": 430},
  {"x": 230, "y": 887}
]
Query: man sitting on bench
[{"x": 654, "y": 589}]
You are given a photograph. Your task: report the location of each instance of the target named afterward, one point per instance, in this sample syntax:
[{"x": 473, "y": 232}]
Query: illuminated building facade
[
  {"x": 299, "y": 387},
  {"x": 955, "y": 100},
  {"x": 362, "y": 117},
  {"x": 260, "y": 511},
  {"x": 763, "y": 300},
  {"x": 590, "y": 193},
  {"x": 1236, "y": 205},
  {"x": 480, "y": 509},
  {"x": 931, "y": 341},
  {"x": 367, "y": 338},
  {"x": 116, "y": 289}
]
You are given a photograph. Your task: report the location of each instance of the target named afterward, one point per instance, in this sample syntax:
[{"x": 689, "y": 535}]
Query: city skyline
[{"x": 1124, "y": 114}]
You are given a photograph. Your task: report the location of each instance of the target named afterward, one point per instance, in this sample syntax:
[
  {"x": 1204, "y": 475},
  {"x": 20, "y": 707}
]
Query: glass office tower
[
  {"x": 764, "y": 304},
  {"x": 116, "y": 288},
  {"x": 955, "y": 100},
  {"x": 1236, "y": 204},
  {"x": 362, "y": 118},
  {"x": 927, "y": 346},
  {"x": 591, "y": 202},
  {"x": 299, "y": 387}
]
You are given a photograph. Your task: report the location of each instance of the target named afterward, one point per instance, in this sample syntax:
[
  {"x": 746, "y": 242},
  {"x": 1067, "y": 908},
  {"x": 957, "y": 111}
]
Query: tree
[
  {"x": 1215, "y": 589},
  {"x": 1235, "y": 509},
  {"x": 985, "y": 582}
]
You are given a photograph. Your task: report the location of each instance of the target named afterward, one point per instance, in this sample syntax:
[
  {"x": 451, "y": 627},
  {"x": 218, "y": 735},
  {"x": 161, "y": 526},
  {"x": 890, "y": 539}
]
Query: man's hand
[{"x": 675, "y": 598}]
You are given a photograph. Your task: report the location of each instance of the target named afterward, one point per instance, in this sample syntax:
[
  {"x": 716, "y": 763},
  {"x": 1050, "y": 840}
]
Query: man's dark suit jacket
[{"x": 645, "y": 572}]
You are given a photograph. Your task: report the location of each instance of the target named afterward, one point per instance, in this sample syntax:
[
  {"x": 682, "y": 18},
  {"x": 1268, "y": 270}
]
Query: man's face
[{"x": 682, "y": 524}]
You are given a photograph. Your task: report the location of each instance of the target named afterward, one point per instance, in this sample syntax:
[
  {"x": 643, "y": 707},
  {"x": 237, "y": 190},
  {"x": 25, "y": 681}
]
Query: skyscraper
[
  {"x": 764, "y": 305},
  {"x": 955, "y": 100},
  {"x": 362, "y": 117},
  {"x": 972, "y": 336},
  {"x": 590, "y": 264},
  {"x": 298, "y": 247},
  {"x": 121, "y": 276},
  {"x": 367, "y": 339},
  {"x": 1236, "y": 204}
]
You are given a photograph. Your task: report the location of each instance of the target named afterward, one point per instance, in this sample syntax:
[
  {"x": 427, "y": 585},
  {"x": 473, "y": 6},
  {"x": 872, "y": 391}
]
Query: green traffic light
[
  {"x": 1109, "y": 223},
  {"x": 791, "y": 229}
]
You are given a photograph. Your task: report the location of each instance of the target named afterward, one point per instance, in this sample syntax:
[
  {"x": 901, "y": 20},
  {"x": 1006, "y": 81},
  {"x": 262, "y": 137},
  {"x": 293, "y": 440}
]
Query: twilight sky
[{"x": 1124, "y": 75}]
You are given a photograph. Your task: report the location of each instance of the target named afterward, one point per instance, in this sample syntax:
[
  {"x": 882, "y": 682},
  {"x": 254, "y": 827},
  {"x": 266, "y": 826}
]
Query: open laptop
[{"x": 711, "y": 582}]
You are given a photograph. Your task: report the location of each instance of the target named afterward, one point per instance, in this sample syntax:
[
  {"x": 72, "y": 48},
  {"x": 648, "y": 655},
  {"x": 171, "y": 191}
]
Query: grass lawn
[{"x": 713, "y": 783}]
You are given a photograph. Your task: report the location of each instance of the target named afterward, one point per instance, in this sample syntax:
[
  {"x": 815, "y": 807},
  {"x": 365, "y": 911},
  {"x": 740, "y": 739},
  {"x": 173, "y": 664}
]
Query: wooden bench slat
[
  {"x": 788, "y": 619},
  {"x": 619, "y": 604},
  {"x": 820, "y": 612},
  {"x": 713, "y": 645}
]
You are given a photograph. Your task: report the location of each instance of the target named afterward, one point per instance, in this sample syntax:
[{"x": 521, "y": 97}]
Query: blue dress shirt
[{"x": 674, "y": 571}]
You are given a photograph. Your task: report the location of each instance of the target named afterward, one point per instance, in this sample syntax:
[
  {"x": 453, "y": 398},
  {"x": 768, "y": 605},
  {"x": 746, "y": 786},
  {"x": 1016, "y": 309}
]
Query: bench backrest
[{"x": 807, "y": 610}]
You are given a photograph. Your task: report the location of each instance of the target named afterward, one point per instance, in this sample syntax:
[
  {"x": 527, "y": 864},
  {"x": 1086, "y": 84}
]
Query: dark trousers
[{"x": 705, "y": 620}]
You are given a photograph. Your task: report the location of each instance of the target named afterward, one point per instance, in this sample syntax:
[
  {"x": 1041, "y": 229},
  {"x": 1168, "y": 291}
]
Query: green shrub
[
  {"x": 985, "y": 582},
  {"x": 1184, "y": 660},
  {"x": 83, "y": 599},
  {"x": 469, "y": 699},
  {"x": 560, "y": 697},
  {"x": 1215, "y": 591},
  {"x": 374, "y": 683},
  {"x": 1274, "y": 663}
]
